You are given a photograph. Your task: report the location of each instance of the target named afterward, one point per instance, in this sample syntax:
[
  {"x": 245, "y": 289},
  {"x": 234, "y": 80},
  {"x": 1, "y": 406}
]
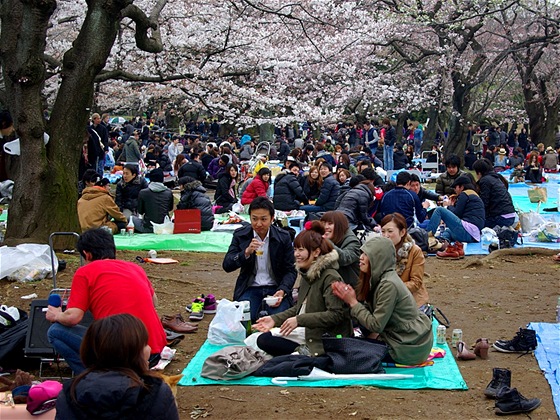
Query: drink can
[
  {"x": 456, "y": 336},
  {"x": 152, "y": 254},
  {"x": 123, "y": 232},
  {"x": 440, "y": 336}
]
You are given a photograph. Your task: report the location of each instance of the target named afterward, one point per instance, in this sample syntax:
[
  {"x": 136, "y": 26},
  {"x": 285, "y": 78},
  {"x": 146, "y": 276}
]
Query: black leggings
[{"x": 276, "y": 346}]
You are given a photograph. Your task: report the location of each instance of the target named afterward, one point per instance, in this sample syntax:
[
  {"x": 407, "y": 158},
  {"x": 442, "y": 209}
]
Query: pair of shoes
[
  {"x": 501, "y": 378},
  {"x": 210, "y": 305},
  {"x": 463, "y": 353},
  {"x": 173, "y": 338},
  {"x": 481, "y": 348},
  {"x": 556, "y": 258},
  {"x": 452, "y": 252},
  {"x": 177, "y": 323},
  {"x": 510, "y": 401},
  {"x": 525, "y": 341}
]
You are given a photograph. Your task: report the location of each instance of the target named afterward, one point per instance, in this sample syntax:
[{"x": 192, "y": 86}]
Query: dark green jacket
[{"x": 390, "y": 310}]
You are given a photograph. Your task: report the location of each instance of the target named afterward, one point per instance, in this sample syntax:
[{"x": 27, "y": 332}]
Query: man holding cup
[{"x": 265, "y": 255}]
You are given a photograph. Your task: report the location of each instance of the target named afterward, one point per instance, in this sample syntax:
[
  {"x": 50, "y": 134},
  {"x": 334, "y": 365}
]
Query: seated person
[
  {"x": 550, "y": 160},
  {"x": 154, "y": 203},
  {"x": 501, "y": 161},
  {"x": 265, "y": 255},
  {"x": 516, "y": 158},
  {"x": 423, "y": 193},
  {"x": 193, "y": 196},
  {"x": 226, "y": 190},
  {"x": 218, "y": 166},
  {"x": 317, "y": 311},
  {"x": 410, "y": 258},
  {"x": 193, "y": 168},
  {"x": 518, "y": 173},
  {"x": 533, "y": 170},
  {"x": 117, "y": 382},
  {"x": 401, "y": 200},
  {"x": 464, "y": 219},
  {"x": 355, "y": 204},
  {"x": 400, "y": 160},
  {"x": 444, "y": 181},
  {"x": 329, "y": 191},
  {"x": 128, "y": 189},
  {"x": 105, "y": 286},
  {"x": 389, "y": 312},
  {"x": 96, "y": 208},
  {"x": 312, "y": 183},
  {"x": 493, "y": 191},
  {"x": 288, "y": 193},
  {"x": 258, "y": 187}
]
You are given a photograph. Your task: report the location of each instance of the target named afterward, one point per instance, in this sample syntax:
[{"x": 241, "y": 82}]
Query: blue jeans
[
  {"x": 417, "y": 147},
  {"x": 255, "y": 295},
  {"x": 454, "y": 228},
  {"x": 310, "y": 208},
  {"x": 388, "y": 158},
  {"x": 100, "y": 165},
  {"x": 66, "y": 341}
]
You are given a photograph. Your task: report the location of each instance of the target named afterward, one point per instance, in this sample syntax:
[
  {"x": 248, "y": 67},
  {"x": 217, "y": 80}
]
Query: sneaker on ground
[
  {"x": 210, "y": 304},
  {"x": 197, "y": 310},
  {"x": 525, "y": 341}
]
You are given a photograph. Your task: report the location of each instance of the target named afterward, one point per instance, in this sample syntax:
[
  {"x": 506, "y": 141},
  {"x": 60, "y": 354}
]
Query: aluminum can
[
  {"x": 440, "y": 334},
  {"x": 456, "y": 336},
  {"x": 152, "y": 254},
  {"x": 123, "y": 232}
]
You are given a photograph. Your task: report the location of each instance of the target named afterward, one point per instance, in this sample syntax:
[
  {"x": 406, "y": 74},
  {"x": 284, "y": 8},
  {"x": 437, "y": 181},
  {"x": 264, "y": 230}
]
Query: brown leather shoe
[
  {"x": 452, "y": 252},
  {"x": 177, "y": 323}
]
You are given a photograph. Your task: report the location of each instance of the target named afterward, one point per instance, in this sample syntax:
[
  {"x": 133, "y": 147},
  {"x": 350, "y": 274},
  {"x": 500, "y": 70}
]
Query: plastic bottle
[
  {"x": 558, "y": 310},
  {"x": 130, "y": 227}
]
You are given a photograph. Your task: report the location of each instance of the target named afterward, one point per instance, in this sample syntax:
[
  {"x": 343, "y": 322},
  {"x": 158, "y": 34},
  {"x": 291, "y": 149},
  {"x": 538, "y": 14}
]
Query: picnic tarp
[
  {"x": 548, "y": 356},
  {"x": 443, "y": 374}
]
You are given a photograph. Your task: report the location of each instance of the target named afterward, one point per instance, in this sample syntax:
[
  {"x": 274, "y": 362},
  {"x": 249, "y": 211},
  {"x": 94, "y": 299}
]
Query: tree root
[{"x": 509, "y": 251}]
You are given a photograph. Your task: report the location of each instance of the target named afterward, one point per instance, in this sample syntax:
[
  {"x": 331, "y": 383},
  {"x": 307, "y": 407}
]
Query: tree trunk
[
  {"x": 430, "y": 129},
  {"x": 457, "y": 137},
  {"x": 45, "y": 190},
  {"x": 401, "y": 122}
]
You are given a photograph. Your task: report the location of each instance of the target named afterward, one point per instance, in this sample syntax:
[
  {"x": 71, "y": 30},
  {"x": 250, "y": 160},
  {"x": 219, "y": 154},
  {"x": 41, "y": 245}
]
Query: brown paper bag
[{"x": 537, "y": 195}]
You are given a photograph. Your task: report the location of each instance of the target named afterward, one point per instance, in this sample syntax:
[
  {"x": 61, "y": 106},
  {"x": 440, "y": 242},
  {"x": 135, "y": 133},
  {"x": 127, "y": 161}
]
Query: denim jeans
[
  {"x": 454, "y": 228},
  {"x": 417, "y": 147},
  {"x": 66, "y": 341},
  {"x": 310, "y": 208},
  {"x": 388, "y": 158},
  {"x": 100, "y": 165},
  {"x": 255, "y": 296}
]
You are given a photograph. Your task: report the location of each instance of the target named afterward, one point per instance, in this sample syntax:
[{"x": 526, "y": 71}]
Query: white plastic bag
[
  {"x": 238, "y": 207},
  {"x": 530, "y": 221},
  {"x": 26, "y": 262},
  {"x": 166, "y": 228},
  {"x": 226, "y": 327}
]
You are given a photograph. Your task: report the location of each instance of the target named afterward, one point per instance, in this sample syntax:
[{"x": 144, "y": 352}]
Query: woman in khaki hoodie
[{"x": 96, "y": 208}]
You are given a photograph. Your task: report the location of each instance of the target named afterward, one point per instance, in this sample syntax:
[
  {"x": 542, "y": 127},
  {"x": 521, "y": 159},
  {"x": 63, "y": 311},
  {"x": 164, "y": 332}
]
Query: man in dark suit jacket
[{"x": 265, "y": 255}]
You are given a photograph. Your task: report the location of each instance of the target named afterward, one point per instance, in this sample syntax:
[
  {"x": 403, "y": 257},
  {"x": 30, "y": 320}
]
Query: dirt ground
[{"x": 491, "y": 301}]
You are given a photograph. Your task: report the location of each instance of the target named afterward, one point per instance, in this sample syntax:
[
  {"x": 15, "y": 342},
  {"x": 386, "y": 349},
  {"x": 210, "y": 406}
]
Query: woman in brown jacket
[
  {"x": 410, "y": 259},
  {"x": 96, "y": 208}
]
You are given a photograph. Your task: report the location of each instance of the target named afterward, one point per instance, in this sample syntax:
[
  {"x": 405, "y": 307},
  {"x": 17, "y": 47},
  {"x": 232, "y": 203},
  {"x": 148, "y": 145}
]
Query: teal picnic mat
[{"x": 443, "y": 374}]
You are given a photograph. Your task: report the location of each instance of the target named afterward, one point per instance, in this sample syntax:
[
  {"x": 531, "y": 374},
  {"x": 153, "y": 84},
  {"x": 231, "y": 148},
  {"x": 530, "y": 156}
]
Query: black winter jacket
[
  {"x": 310, "y": 191},
  {"x": 288, "y": 192},
  {"x": 355, "y": 205},
  {"x": 400, "y": 161},
  {"x": 281, "y": 254},
  {"x": 155, "y": 202},
  {"x": 193, "y": 169},
  {"x": 222, "y": 196},
  {"x": 194, "y": 197},
  {"x": 495, "y": 195},
  {"x": 470, "y": 208},
  {"x": 127, "y": 193},
  {"x": 329, "y": 193},
  {"x": 110, "y": 395}
]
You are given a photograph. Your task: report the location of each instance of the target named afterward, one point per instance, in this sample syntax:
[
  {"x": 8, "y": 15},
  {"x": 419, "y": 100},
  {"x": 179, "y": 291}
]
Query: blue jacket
[
  {"x": 328, "y": 194},
  {"x": 470, "y": 208},
  {"x": 281, "y": 254},
  {"x": 400, "y": 200}
]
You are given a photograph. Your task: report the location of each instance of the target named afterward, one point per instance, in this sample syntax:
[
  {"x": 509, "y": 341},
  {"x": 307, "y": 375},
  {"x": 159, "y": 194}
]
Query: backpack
[
  {"x": 420, "y": 237},
  {"x": 508, "y": 237},
  {"x": 12, "y": 339}
]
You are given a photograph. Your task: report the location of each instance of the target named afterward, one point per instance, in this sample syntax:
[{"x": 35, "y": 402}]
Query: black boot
[
  {"x": 524, "y": 342},
  {"x": 501, "y": 378},
  {"x": 510, "y": 401}
]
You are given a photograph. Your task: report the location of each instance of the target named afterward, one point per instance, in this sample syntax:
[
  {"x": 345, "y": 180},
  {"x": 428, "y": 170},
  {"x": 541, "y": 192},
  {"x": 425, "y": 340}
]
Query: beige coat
[
  {"x": 413, "y": 271},
  {"x": 96, "y": 207}
]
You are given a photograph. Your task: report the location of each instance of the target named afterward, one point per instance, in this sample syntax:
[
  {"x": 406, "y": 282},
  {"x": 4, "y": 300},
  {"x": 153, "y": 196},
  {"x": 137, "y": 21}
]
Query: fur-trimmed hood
[
  {"x": 323, "y": 262},
  {"x": 194, "y": 185}
]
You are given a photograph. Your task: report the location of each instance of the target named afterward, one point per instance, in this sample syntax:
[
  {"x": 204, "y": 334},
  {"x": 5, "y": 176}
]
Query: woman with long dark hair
[
  {"x": 128, "y": 189},
  {"x": 226, "y": 190},
  {"x": 317, "y": 311},
  {"x": 388, "y": 313},
  {"x": 117, "y": 382}
]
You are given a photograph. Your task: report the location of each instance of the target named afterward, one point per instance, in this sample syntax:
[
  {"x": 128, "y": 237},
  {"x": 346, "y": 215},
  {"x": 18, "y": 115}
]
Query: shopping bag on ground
[
  {"x": 165, "y": 228},
  {"x": 226, "y": 327},
  {"x": 537, "y": 194}
]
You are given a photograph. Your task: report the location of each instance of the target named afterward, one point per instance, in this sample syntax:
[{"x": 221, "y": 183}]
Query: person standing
[
  {"x": 104, "y": 286},
  {"x": 99, "y": 137},
  {"x": 389, "y": 144},
  {"x": 265, "y": 256}
]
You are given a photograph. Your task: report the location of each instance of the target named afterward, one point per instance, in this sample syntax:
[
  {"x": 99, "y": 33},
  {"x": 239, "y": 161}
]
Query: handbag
[
  {"x": 537, "y": 195},
  {"x": 354, "y": 355},
  {"x": 433, "y": 312},
  {"x": 233, "y": 362},
  {"x": 420, "y": 237}
]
